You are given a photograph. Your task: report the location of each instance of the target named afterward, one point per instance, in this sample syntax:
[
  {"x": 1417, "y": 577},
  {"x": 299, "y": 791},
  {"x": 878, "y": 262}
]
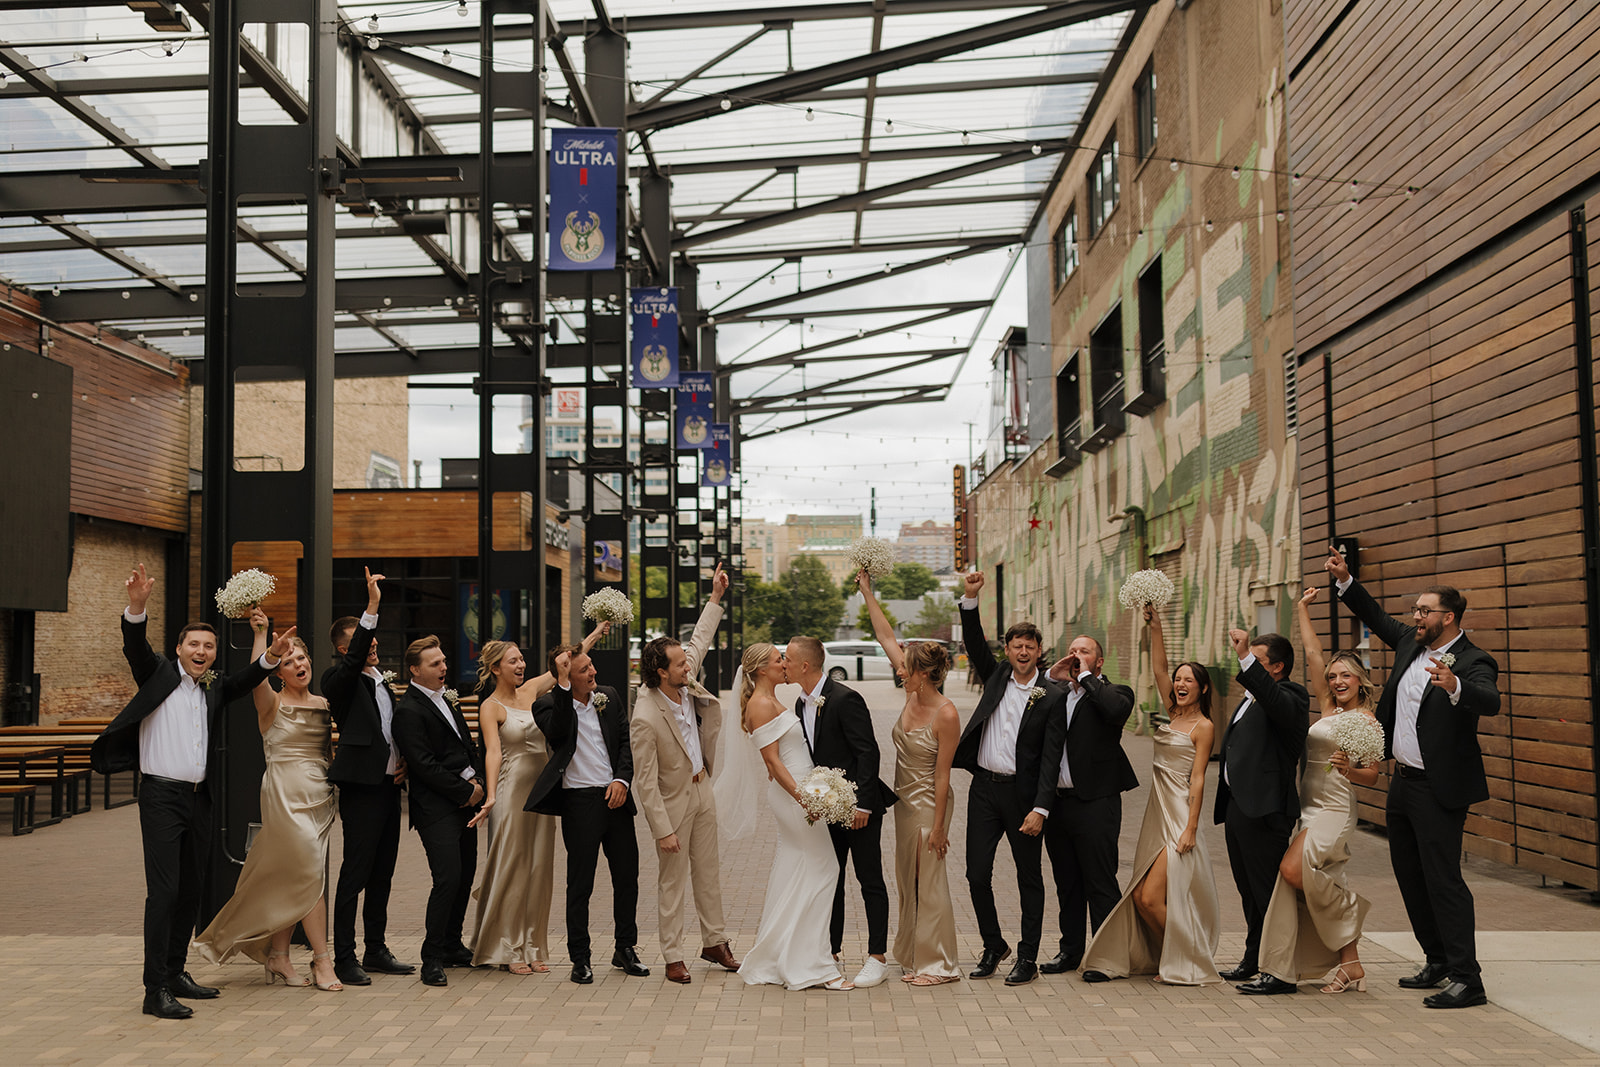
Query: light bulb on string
[
  {"x": 966, "y": 138},
  {"x": 1174, "y": 164},
  {"x": 461, "y": 8},
  {"x": 448, "y": 60},
  {"x": 1210, "y": 225},
  {"x": 888, "y": 125},
  {"x": 372, "y": 24},
  {"x": 374, "y": 42},
  {"x": 168, "y": 47},
  {"x": 726, "y": 104},
  {"x": 1037, "y": 149},
  {"x": 544, "y": 72},
  {"x": 811, "y": 116},
  {"x": 1282, "y": 216},
  {"x": 1294, "y": 179},
  {"x": 81, "y": 57}
]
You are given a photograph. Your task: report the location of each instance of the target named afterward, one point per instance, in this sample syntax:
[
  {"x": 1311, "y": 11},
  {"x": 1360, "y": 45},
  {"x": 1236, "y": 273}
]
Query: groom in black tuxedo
[
  {"x": 838, "y": 730},
  {"x": 1258, "y": 798},
  {"x": 1085, "y": 744},
  {"x": 1430, "y": 709},
  {"x": 169, "y": 733},
  {"x": 1013, "y": 787},
  {"x": 446, "y": 777}
]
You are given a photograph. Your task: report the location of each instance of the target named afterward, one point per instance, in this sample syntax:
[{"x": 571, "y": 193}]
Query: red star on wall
[{"x": 1034, "y": 523}]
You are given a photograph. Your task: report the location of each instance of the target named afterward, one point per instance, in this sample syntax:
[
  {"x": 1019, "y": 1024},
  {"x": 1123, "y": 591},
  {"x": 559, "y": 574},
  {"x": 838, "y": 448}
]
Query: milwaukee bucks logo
[
  {"x": 582, "y": 240},
  {"x": 695, "y": 428},
  {"x": 653, "y": 363}
]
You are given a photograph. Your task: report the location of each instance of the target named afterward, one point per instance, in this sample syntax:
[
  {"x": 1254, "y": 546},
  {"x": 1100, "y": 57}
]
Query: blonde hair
[
  {"x": 927, "y": 658},
  {"x": 1366, "y": 689},
  {"x": 756, "y": 658},
  {"x": 489, "y": 658}
]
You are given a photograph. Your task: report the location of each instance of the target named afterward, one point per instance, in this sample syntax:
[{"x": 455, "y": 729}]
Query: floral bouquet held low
[
  {"x": 1360, "y": 737},
  {"x": 828, "y": 796},
  {"x": 244, "y": 593}
]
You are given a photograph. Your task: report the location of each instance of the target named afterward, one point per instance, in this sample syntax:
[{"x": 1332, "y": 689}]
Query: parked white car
[{"x": 856, "y": 661}]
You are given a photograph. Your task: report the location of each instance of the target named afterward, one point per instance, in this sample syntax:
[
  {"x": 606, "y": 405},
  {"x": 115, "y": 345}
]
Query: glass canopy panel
[{"x": 70, "y": 267}]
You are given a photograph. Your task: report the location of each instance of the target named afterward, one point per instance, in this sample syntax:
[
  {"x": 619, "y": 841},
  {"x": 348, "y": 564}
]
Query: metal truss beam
[
  {"x": 790, "y": 357},
  {"x": 806, "y": 361},
  {"x": 920, "y": 395},
  {"x": 841, "y": 387},
  {"x": 844, "y": 159},
  {"x": 721, "y": 215},
  {"x": 751, "y": 310},
  {"x": 94, "y": 120},
  {"x": 975, "y": 242},
  {"x": 823, "y": 313}
]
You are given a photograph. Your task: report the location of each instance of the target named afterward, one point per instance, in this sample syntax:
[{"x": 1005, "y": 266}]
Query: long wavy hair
[
  {"x": 1366, "y": 689},
  {"x": 756, "y": 658},
  {"x": 493, "y": 653},
  {"x": 1202, "y": 699}
]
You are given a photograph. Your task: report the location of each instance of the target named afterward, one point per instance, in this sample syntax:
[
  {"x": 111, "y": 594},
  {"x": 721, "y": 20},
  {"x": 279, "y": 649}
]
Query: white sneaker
[{"x": 873, "y": 972}]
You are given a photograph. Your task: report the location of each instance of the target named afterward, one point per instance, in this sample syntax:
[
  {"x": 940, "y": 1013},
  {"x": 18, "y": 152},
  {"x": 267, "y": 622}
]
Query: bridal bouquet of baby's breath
[
  {"x": 828, "y": 796},
  {"x": 1146, "y": 587},
  {"x": 608, "y": 605},
  {"x": 243, "y": 592},
  {"x": 1358, "y": 736},
  {"x": 873, "y": 554}
]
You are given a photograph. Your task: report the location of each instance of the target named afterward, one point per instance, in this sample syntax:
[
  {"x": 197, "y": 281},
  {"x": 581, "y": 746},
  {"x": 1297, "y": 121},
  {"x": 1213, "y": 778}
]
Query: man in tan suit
[{"x": 674, "y": 739}]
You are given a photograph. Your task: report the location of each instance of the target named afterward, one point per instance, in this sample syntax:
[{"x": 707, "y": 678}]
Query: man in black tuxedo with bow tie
[
  {"x": 1013, "y": 788},
  {"x": 368, "y": 771},
  {"x": 1441, "y": 684},
  {"x": 587, "y": 785},
  {"x": 838, "y": 730},
  {"x": 445, "y": 774},
  {"x": 169, "y": 733},
  {"x": 1085, "y": 744},
  {"x": 1258, "y": 797}
]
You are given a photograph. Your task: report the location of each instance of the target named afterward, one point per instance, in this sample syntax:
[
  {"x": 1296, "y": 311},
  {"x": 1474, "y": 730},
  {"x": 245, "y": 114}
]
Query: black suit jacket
[
  {"x": 362, "y": 755},
  {"x": 435, "y": 756},
  {"x": 1093, "y": 742},
  {"x": 557, "y": 716},
  {"x": 117, "y": 747},
  {"x": 844, "y": 739},
  {"x": 1035, "y": 780},
  {"x": 1264, "y": 748},
  {"x": 1447, "y": 733}
]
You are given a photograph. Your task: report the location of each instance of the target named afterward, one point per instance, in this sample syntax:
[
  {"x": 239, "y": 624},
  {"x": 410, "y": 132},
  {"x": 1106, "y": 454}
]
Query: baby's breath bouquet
[
  {"x": 244, "y": 592},
  {"x": 828, "y": 796},
  {"x": 872, "y": 554},
  {"x": 608, "y": 605},
  {"x": 1358, "y": 736},
  {"x": 1146, "y": 587}
]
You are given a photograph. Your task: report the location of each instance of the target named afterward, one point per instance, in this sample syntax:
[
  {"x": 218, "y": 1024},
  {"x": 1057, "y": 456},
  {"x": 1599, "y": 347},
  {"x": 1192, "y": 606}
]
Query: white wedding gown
[{"x": 791, "y": 948}]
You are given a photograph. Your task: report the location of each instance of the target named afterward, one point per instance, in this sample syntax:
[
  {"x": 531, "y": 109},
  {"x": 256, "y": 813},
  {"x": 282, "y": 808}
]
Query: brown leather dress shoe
[
  {"x": 721, "y": 955},
  {"x": 678, "y": 972}
]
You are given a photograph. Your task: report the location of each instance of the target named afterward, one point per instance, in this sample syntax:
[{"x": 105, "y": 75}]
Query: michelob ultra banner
[
  {"x": 694, "y": 409},
  {"x": 654, "y": 343},
  {"x": 717, "y": 460},
  {"x": 583, "y": 199}
]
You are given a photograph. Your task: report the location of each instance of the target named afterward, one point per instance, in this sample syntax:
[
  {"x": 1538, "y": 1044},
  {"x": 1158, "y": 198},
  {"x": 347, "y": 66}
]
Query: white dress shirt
[
  {"x": 688, "y": 729},
  {"x": 997, "y": 752},
  {"x": 469, "y": 772},
  {"x": 385, "y": 699},
  {"x": 1064, "y": 779},
  {"x": 591, "y": 763},
  {"x": 808, "y": 711},
  {"x": 1245, "y": 664}
]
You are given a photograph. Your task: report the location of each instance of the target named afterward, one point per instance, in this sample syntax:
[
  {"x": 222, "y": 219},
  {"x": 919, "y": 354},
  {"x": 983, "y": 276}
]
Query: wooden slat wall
[{"x": 1305, "y": 23}]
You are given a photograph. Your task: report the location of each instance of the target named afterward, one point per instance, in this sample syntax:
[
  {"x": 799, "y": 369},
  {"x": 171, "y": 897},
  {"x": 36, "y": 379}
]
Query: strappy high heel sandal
[
  {"x": 1342, "y": 981},
  {"x": 275, "y": 975},
  {"x": 333, "y": 986}
]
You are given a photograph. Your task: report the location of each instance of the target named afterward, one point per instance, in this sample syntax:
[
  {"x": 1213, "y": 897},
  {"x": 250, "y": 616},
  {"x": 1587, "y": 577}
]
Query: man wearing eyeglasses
[{"x": 1438, "y": 688}]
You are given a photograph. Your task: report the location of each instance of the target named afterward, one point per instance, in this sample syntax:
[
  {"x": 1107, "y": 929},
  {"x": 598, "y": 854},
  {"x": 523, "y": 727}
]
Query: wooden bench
[
  {"x": 76, "y": 738},
  {"x": 22, "y": 810}
]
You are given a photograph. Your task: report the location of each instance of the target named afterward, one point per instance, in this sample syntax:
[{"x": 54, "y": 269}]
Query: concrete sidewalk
[{"x": 70, "y": 946}]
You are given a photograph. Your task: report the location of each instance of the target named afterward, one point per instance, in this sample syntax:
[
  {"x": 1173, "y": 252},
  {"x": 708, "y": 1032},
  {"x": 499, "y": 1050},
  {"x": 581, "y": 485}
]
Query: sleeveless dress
[
  {"x": 285, "y": 871},
  {"x": 925, "y": 942},
  {"x": 1302, "y": 934},
  {"x": 513, "y": 924},
  {"x": 792, "y": 948},
  {"x": 1125, "y": 944}
]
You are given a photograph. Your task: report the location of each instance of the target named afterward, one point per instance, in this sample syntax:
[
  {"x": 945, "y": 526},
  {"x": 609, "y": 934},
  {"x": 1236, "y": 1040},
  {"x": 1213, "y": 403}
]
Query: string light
[
  {"x": 811, "y": 115},
  {"x": 888, "y": 125},
  {"x": 461, "y": 8},
  {"x": 725, "y": 104},
  {"x": 372, "y": 24},
  {"x": 1037, "y": 149}
]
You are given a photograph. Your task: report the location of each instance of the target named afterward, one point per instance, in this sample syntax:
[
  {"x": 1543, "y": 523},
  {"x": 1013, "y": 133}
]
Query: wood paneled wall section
[{"x": 130, "y": 420}]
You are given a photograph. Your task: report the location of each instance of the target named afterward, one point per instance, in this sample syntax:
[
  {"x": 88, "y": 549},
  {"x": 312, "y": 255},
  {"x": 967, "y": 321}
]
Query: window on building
[
  {"x": 1103, "y": 189},
  {"x": 1144, "y": 95},
  {"x": 1151, "y": 387},
  {"x": 1105, "y": 381},
  {"x": 1069, "y": 414},
  {"x": 1067, "y": 246}
]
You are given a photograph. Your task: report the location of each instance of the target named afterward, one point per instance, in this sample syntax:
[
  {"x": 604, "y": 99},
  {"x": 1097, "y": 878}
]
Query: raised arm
[
  {"x": 491, "y": 714},
  {"x": 1158, "y": 656},
  {"x": 142, "y": 659},
  {"x": 978, "y": 653},
  {"x": 1360, "y": 602},
  {"x": 1316, "y": 663},
  {"x": 880, "y": 622},
  {"x": 266, "y": 700}
]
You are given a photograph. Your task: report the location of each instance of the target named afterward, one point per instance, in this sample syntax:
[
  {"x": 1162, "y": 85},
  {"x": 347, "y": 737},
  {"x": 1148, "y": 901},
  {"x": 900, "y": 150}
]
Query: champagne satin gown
[
  {"x": 1125, "y": 944},
  {"x": 925, "y": 941},
  {"x": 285, "y": 873},
  {"x": 1302, "y": 933},
  {"x": 513, "y": 924}
]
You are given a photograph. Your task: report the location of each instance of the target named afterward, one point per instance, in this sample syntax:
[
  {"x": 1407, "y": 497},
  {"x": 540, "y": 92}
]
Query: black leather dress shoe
[
  {"x": 1096, "y": 976},
  {"x": 1267, "y": 985},
  {"x": 186, "y": 987},
  {"x": 627, "y": 961},
  {"x": 458, "y": 957},
  {"x": 163, "y": 1005},
  {"x": 1457, "y": 995},
  {"x": 1243, "y": 972},
  {"x": 989, "y": 962},
  {"x": 433, "y": 973},
  {"x": 1061, "y": 964},
  {"x": 1427, "y": 978},
  {"x": 349, "y": 972},
  {"x": 1022, "y": 972},
  {"x": 582, "y": 973},
  {"x": 382, "y": 961}
]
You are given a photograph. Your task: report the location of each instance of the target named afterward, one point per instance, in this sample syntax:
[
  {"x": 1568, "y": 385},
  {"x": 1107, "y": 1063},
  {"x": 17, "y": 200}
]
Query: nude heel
[
  {"x": 277, "y": 976},
  {"x": 1342, "y": 982},
  {"x": 332, "y": 987}
]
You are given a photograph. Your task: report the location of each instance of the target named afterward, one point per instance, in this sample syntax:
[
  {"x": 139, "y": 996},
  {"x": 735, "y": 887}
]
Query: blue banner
[
  {"x": 583, "y": 199},
  {"x": 694, "y": 409},
  {"x": 717, "y": 461},
  {"x": 654, "y": 344}
]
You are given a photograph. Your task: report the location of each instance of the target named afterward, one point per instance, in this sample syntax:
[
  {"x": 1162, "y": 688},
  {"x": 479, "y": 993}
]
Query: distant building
[
  {"x": 765, "y": 550},
  {"x": 833, "y": 552},
  {"x": 927, "y": 543}
]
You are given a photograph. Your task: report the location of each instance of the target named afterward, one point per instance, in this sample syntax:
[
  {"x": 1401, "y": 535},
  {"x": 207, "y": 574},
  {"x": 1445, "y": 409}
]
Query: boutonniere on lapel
[
  {"x": 1033, "y": 696},
  {"x": 452, "y": 698},
  {"x": 388, "y": 677},
  {"x": 600, "y": 701},
  {"x": 1445, "y": 659},
  {"x": 206, "y": 679},
  {"x": 820, "y": 701}
]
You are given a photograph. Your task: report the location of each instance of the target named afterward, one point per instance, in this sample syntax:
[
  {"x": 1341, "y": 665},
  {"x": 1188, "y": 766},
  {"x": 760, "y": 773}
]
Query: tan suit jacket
[{"x": 662, "y": 774}]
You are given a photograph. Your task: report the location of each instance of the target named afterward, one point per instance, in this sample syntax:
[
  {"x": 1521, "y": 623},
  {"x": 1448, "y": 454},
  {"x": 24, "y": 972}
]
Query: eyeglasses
[{"x": 1422, "y": 612}]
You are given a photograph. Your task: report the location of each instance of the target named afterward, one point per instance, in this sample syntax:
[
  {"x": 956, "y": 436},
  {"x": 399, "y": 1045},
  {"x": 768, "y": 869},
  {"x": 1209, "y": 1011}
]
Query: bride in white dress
[{"x": 791, "y": 948}]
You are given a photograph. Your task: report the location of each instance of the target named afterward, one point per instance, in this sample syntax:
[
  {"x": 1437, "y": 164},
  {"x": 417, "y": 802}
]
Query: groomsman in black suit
[
  {"x": 445, "y": 774},
  {"x": 1085, "y": 744},
  {"x": 168, "y": 733},
  {"x": 1258, "y": 798},
  {"x": 838, "y": 729},
  {"x": 1013, "y": 787},
  {"x": 368, "y": 771},
  {"x": 1441, "y": 684},
  {"x": 587, "y": 783}
]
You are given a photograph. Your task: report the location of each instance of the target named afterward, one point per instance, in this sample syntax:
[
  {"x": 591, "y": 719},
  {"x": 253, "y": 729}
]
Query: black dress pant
[
  {"x": 452, "y": 850},
  {"x": 587, "y": 826},
  {"x": 371, "y": 818},
  {"x": 996, "y": 810},
  {"x": 1081, "y": 837},
  {"x": 1425, "y": 851},
  {"x": 175, "y": 822},
  {"x": 866, "y": 846},
  {"x": 1255, "y": 849}
]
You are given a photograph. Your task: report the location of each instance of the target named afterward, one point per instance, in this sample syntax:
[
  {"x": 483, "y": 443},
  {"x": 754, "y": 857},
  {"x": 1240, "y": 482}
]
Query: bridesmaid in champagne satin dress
[{"x": 284, "y": 880}]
